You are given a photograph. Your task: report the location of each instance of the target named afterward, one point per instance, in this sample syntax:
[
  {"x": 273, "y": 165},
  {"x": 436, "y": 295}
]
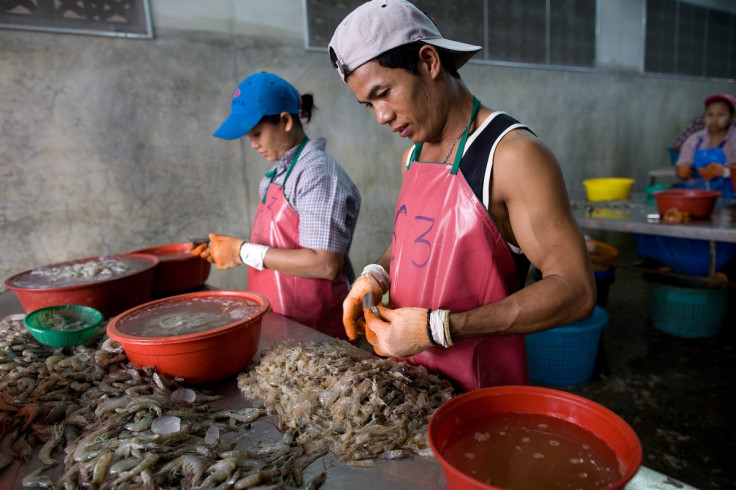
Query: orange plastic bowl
[
  {"x": 485, "y": 402},
  {"x": 601, "y": 252},
  {"x": 178, "y": 270},
  {"x": 698, "y": 202},
  {"x": 109, "y": 294},
  {"x": 222, "y": 350}
]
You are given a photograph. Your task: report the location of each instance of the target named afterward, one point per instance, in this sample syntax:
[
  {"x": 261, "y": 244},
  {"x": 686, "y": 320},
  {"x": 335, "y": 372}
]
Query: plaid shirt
[{"x": 325, "y": 198}]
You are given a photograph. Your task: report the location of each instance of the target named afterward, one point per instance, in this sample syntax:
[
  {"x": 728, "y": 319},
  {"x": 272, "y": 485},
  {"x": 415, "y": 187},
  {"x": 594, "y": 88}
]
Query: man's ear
[{"x": 429, "y": 60}]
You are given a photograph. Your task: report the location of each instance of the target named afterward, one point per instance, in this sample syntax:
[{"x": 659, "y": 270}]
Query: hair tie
[{"x": 302, "y": 113}]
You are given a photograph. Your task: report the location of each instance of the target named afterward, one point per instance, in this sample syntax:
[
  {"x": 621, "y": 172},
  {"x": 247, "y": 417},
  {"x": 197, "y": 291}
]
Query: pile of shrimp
[
  {"x": 108, "y": 424},
  {"x": 341, "y": 399},
  {"x": 91, "y": 268}
]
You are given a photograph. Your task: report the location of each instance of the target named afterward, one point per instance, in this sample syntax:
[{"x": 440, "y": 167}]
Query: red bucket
[
  {"x": 109, "y": 294},
  {"x": 475, "y": 406},
  {"x": 178, "y": 269},
  {"x": 223, "y": 349}
]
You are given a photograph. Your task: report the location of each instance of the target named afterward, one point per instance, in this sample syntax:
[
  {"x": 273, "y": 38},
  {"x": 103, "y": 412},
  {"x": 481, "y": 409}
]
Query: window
[
  {"x": 690, "y": 40},
  {"x": 550, "y": 33},
  {"x": 119, "y": 18}
]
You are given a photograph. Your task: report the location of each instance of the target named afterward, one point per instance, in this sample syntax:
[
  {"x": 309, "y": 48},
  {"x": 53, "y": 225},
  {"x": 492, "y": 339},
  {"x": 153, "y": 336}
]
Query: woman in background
[{"x": 705, "y": 154}]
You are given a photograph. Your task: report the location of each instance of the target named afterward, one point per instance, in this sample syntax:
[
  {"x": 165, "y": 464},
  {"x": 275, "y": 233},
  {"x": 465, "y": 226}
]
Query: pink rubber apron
[
  {"x": 316, "y": 303},
  {"x": 447, "y": 253}
]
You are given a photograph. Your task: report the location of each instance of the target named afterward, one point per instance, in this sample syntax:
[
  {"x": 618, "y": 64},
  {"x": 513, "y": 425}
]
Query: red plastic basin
[
  {"x": 202, "y": 357},
  {"x": 485, "y": 402},
  {"x": 178, "y": 270},
  {"x": 109, "y": 296},
  {"x": 698, "y": 202}
]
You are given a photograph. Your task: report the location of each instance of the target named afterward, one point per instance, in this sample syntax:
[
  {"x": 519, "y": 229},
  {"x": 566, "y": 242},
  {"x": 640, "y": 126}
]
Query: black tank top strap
[{"x": 474, "y": 162}]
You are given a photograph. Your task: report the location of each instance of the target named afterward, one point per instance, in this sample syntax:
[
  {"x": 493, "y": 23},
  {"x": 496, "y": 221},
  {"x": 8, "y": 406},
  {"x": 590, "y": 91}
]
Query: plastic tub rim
[
  {"x": 585, "y": 325},
  {"x": 538, "y": 391},
  {"x": 119, "y": 336},
  {"x": 166, "y": 257},
  {"x": 153, "y": 258}
]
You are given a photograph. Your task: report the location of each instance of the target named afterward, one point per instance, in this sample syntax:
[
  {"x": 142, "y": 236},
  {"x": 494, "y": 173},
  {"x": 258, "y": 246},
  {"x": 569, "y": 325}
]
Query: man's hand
[
  {"x": 352, "y": 306},
  {"x": 403, "y": 334},
  {"x": 712, "y": 171}
]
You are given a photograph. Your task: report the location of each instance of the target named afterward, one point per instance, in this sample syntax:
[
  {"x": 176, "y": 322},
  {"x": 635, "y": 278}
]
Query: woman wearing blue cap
[{"x": 298, "y": 249}]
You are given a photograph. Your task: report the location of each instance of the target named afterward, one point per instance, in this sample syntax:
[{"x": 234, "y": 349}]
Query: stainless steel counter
[
  {"x": 637, "y": 216},
  {"x": 416, "y": 473}
]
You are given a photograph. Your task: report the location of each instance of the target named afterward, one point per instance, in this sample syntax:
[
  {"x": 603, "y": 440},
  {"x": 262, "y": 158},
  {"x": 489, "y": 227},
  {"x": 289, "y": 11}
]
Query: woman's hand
[
  {"x": 683, "y": 171},
  {"x": 712, "y": 171},
  {"x": 222, "y": 250}
]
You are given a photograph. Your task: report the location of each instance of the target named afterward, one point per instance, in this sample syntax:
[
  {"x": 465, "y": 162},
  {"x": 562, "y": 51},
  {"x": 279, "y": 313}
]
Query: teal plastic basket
[
  {"x": 566, "y": 355},
  {"x": 687, "y": 312},
  {"x": 51, "y": 325}
]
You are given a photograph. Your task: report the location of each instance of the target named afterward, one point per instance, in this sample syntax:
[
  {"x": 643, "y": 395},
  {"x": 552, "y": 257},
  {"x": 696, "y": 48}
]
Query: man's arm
[{"x": 530, "y": 203}]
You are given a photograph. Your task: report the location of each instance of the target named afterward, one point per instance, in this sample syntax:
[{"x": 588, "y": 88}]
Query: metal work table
[
  {"x": 637, "y": 216},
  {"x": 415, "y": 473}
]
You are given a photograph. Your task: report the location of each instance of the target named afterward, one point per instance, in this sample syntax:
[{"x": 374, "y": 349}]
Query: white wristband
[
  {"x": 252, "y": 254},
  {"x": 726, "y": 172},
  {"x": 379, "y": 274},
  {"x": 439, "y": 323}
]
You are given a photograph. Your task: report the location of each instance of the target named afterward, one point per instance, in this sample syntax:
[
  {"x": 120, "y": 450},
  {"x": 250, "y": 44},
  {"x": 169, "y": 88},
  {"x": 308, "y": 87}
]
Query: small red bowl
[
  {"x": 109, "y": 295},
  {"x": 178, "y": 269},
  {"x": 472, "y": 407},
  {"x": 221, "y": 350},
  {"x": 698, "y": 202}
]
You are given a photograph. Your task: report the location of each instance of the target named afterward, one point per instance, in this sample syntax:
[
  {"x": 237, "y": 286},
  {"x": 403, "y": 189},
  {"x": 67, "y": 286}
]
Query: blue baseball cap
[{"x": 262, "y": 94}]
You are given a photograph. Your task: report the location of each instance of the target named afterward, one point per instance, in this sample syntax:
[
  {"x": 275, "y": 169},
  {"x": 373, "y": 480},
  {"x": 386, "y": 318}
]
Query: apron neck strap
[
  {"x": 464, "y": 139},
  {"x": 271, "y": 174}
]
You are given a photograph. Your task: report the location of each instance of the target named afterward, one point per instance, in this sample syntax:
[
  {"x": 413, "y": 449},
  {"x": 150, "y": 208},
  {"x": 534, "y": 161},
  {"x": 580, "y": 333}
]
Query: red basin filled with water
[
  {"x": 201, "y": 337},
  {"x": 567, "y": 442},
  {"x": 80, "y": 282}
]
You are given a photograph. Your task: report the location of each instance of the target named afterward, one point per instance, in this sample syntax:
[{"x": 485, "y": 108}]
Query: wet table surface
[{"x": 415, "y": 473}]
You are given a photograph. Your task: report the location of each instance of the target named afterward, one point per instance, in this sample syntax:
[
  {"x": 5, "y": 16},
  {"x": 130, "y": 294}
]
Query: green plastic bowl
[{"x": 63, "y": 325}]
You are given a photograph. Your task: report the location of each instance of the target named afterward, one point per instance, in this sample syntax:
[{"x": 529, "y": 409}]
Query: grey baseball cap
[{"x": 381, "y": 25}]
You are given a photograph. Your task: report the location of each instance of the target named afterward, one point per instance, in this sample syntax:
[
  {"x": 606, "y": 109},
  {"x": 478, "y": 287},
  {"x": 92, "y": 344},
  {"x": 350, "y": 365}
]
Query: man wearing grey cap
[{"x": 481, "y": 197}]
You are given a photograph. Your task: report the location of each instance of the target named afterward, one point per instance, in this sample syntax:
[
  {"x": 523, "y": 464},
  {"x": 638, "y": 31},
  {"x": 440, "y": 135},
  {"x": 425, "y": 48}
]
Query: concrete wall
[{"x": 106, "y": 146}]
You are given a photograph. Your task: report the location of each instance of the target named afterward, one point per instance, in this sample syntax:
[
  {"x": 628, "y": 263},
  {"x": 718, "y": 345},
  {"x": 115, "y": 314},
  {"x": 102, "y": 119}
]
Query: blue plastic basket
[
  {"x": 687, "y": 312},
  {"x": 566, "y": 355}
]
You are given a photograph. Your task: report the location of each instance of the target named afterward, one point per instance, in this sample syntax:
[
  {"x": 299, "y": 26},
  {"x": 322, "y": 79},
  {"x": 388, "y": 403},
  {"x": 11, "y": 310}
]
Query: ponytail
[{"x": 306, "y": 106}]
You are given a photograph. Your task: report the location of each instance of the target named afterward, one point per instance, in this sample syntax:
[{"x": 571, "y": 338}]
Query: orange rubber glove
[
  {"x": 198, "y": 248},
  {"x": 403, "y": 333},
  {"x": 712, "y": 171},
  {"x": 683, "y": 171},
  {"x": 223, "y": 251},
  {"x": 352, "y": 306}
]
